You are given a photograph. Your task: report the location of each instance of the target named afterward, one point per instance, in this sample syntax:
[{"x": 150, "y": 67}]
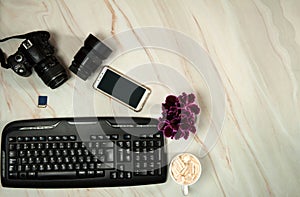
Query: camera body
[{"x": 36, "y": 52}]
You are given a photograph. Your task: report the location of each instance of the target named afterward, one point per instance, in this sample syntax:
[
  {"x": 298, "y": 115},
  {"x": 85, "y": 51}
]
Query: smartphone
[{"x": 122, "y": 88}]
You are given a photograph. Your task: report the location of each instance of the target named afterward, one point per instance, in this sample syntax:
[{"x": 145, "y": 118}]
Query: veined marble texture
[{"x": 254, "y": 45}]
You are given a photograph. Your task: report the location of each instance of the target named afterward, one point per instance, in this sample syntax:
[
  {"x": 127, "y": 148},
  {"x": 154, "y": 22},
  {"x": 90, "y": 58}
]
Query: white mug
[{"x": 185, "y": 187}]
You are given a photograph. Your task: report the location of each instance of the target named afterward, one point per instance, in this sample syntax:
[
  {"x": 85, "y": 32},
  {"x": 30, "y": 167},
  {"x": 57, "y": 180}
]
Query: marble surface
[{"x": 254, "y": 47}]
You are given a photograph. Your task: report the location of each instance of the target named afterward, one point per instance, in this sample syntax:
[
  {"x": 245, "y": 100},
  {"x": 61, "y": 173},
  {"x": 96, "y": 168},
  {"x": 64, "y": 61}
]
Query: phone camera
[{"x": 89, "y": 57}]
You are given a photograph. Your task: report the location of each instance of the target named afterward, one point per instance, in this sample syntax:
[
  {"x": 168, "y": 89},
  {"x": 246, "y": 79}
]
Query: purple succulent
[{"x": 178, "y": 116}]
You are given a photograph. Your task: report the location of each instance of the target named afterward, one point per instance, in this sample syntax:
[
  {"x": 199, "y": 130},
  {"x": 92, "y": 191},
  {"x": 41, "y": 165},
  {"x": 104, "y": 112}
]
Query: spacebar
[{"x": 57, "y": 175}]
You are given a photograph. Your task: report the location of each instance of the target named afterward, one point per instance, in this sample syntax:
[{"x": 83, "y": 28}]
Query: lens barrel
[
  {"x": 51, "y": 72},
  {"x": 89, "y": 57}
]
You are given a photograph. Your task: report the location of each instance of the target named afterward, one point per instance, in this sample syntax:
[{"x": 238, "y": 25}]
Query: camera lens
[
  {"x": 51, "y": 72},
  {"x": 89, "y": 57}
]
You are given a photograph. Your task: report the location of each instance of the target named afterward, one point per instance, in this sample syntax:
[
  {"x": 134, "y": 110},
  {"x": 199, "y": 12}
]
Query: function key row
[
  {"x": 107, "y": 137},
  {"x": 151, "y": 136},
  {"x": 42, "y": 138},
  {"x": 125, "y": 136}
]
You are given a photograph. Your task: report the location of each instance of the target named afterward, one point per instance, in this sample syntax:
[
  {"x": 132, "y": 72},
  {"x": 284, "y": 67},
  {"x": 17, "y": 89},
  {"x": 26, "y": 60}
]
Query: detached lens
[{"x": 89, "y": 57}]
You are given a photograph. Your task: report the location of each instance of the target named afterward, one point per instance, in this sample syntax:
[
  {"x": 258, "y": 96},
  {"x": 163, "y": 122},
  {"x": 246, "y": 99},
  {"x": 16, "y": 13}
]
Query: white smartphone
[{"x": 122, "y": 88}]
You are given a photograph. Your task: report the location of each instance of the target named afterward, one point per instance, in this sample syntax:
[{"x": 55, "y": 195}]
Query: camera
[
  {"x": 36, "y": 52},
  {"x": 89, "y": 57}
]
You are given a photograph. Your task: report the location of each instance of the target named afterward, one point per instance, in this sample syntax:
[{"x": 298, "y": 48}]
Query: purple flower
[{"x": 178, "y": 116}]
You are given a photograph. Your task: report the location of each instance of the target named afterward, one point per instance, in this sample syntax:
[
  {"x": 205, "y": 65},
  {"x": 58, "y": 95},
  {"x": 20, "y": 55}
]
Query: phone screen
[{"x": 121, "y": 88}]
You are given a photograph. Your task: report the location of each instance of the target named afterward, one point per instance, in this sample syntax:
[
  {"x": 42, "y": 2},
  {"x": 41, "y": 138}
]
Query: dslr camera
[{"x": 37, "y": 53}]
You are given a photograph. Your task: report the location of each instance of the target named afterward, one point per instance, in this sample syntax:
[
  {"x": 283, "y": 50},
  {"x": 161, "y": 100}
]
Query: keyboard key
[
  {"x": 100, "y": 173},
  {"x": 34, "y": 167},
  {"x": 151, "y": 172},
  {"x": 107, "y": 144},
  {"x": 72, "y": 137},
  {"x": 27, "y": 139},
  {"x": 77, "y": 166},
  {"x": 128, "y": 175},
  {"x": 20, "y": 139},
  {"x": 150, "y": 136},
  {"x": 91, "y": 166},
  {"x": 143, "y": 136},
  {"x": 41, "y": 167},
  {"x": 57, "y": 138},
  {"x": 38, "y": 160},
  {"x": 127, "y": 136},
  {"x": 11, "y": 139},
  {"x": 127, "y": 144},
  {"x": 158, "y": 135},
  {"x": 12, "y": 147},
  {"x": 50, "y": 152},
  {"x": 32, "y": 146},
  {"x": 31, "y": 175},
  {"x": 65, "y": 138},
  {"x": 120, "y": 144},
  {"x": 121, "y": 175},
  {"x": 84, "y": 166},
  {"x": 121, "y": 167},
  {"x": 88, "y": 159},
  {"x": 25, "y": 146},
  {"x": 11, "y": 168},
  {"x": 140, "y": 173},
  {"x": 22, "y": 153},
  {"x": 158, "y": 143},
  {"x": 42, "y": 138},
  {"x": 12, "y": 161},
  {"x": 109, "y": 154},
  {"x": 158, "y": 168},
  {"x": 63, "y": 167},
  {"x": 56, "y": 174},
  {"x": 136, "y": 144},
  {"x": 22, "y": 175},
  {"x": 114, "y": 137},
  {"x": 55, "y": 145},
  {"x": 100, "y": 137},
  {"x": 52, "y": 160},
  {"x": 150, "y": 143},
  {"x": 24, "y": 160},
  {"x": 93, "y": 137},
  {"x": 120, "y": 155},
  {"x": 48, "y": 167},
  {"x": 51, "y": 138},
  {"x": 90, "y": 173},
  {"x": 19, "y": 146},
  {"x": 113, "y": 175},
  {"x": 127, "y": 158},
  {"x": 34, "y": 138},
  {"x": 81, "y": 173},
  {"x": 68, "y": 145},
  {"x": 12, "y": 153},
  {"x": 40, "y": 146},
  {"x": 13, "y": 175},
  {"x": 61, "y": 145}
]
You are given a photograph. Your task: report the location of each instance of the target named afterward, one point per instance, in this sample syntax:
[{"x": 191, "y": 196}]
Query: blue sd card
[{"x": 42, "y": 103}]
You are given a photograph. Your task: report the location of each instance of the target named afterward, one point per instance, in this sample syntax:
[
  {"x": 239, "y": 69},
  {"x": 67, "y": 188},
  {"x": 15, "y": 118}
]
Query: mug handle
[{"x": 185, "y": 190}]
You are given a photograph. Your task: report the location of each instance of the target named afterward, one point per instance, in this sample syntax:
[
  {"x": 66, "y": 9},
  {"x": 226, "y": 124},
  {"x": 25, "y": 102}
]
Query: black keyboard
[{"x": 82, "y": 152}]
